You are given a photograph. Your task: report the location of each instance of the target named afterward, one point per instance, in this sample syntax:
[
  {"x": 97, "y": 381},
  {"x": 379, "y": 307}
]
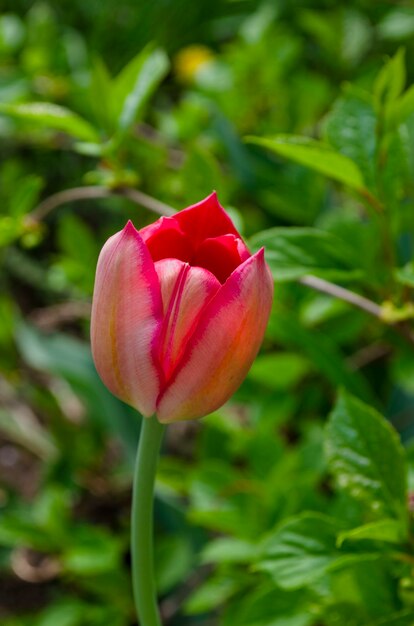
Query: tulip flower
[{"x": 179, "y": 312}]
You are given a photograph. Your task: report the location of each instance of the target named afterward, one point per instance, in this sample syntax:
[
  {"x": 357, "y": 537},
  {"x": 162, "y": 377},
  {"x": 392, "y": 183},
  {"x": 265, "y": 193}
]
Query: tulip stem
[{"x": 143, "y": 577}]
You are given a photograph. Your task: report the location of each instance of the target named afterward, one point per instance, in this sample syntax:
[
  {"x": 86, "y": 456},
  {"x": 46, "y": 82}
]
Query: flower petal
[
  {"x": 126, "y": 320},
  {"x": 165, "y": 239},
  {"x": 185, "y": 292},
  {"x": 205, "y": 219},
  {"x": 220, "y": 255},
  {"x": 223, "y": 346}
]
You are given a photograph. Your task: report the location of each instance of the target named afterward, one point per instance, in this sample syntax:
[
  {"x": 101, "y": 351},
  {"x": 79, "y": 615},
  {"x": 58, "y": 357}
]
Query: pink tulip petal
[
  {"x": 220, "y": 255},
  {"x": 185, "y": 292},
  {"x": 223, "y": 346},
  {"x": 126, "y": 320}
]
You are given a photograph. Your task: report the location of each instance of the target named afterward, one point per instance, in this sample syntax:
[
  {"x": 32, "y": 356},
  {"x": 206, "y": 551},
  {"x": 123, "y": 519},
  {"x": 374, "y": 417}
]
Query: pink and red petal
[
  {"x": 126, "y": 320},
  {"x": 223, "y": 346},
  {"x": 185, "y": 292},
  {"x": 220, "y": 255}
]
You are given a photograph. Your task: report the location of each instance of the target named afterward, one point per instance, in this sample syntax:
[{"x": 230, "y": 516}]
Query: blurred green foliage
[{"x": 291, "y": 506}]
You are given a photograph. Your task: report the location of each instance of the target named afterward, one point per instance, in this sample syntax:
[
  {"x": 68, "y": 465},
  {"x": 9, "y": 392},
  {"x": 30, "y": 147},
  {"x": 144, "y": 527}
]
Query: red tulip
[{"x": 179, "y": 312}]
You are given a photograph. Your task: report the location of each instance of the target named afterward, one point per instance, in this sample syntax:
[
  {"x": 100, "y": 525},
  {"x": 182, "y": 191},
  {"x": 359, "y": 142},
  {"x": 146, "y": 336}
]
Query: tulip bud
[{"x": 179, "y": 312}]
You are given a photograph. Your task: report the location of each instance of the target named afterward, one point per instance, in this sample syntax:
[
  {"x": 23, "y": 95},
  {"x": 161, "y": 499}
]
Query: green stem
[{"x": 143, "y": 578}]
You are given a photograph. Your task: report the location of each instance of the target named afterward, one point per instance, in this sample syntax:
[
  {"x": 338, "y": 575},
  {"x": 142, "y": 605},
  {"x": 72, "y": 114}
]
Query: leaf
[
  {"x": 93, "y": 551},
  {"x": 350, "y": 128},
  {"x": 316, "y": 155},
  {"x": 367, "y": 458},
  {"x": 136, "y": 83},
  {"x": 100, "y": 95},
  {"x": 210, "y": 594},
  {"x": 402, "y": 108},
  {"x": 390, "y": 81},
  {"x": 282, "y": 370},
  {"x": 294, "y": 252},
  {"x": 52, "y": 116},
  {"x": 404, "y": 618},
  {"x": 321, "y": 351},
  {"x": 405, "y": 275},
  {"x": 174, "y": 558},
  {"x": 389, "y": 530},
  {"x": 300, "y": 551},
  {"x": 228, "y": 550},
  {"x": 25, "y": 196}
]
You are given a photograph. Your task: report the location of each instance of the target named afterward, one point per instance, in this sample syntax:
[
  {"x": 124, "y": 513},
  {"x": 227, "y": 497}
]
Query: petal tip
[{"x": 129, "y": 228}]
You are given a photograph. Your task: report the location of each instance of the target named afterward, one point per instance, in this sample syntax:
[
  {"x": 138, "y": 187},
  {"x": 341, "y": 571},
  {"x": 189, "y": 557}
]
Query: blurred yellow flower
[{"x": 188, "y": 61}]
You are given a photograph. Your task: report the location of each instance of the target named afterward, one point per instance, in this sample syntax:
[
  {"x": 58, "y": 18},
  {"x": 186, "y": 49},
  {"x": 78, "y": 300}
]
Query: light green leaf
[
  {"x": 281, "y": 370},
  {"x": 294, "y": 252},
  {"x": 405, "y": 275},
  {"x": 300, "y": 551},
  {"x": 228, "y": 550},
  {"x": 390, "y": 81},
  {"x": 367, "y": 458},
  {"x": 316, "y": 155},
  {"x": 389, "y": 530},
  {"x": 52, "y": 116},
  {"x": 25, "y": 196},
  {"x": 135, "y": 85},
  {"x": 210, "y": 595},
  {"x": 402, "y": 108}
]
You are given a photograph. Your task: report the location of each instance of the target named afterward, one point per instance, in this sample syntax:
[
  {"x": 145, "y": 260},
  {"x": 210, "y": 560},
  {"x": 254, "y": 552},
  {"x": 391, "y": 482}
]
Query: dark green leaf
[{"x": 295, "y": 252}]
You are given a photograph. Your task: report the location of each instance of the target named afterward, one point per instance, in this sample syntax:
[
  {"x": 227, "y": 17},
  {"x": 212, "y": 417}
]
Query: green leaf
[
  {"x": 390, "y": 81},
  {"x": 321, "y": 351},
  {"x": 210, "y": 594},
  {"x": 405, "y": 275},
  {"x": 281, "y": 370},
  {"x": 174, "y": 559},
  {"x": 228, "y": 550},
  {"x": 267, "y": 605},
  {"x": 25, "y": 196},
  {"x": 93, "y": 552},
  {"x": 294, "y": 252},
  {"x": 350, "y": 128},
  {"x": 100, "y": 95},
  {"x": 404, "y": 618},
  {"x": 402, "y": 108},
  {"x": 316, "y": 155},
  {"x": 135, "y": 85},
  {"x": 389, "y": 530},
  {"x": 52, "y": 116},
  {"x": 367, "y": 458},
  {"x": 300, "y": 551}
]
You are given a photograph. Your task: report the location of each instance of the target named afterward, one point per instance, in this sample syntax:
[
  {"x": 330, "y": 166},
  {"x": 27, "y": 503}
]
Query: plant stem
[
  {"x": 143, "y": 578},
  {"x": 95, "y": 192}
]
